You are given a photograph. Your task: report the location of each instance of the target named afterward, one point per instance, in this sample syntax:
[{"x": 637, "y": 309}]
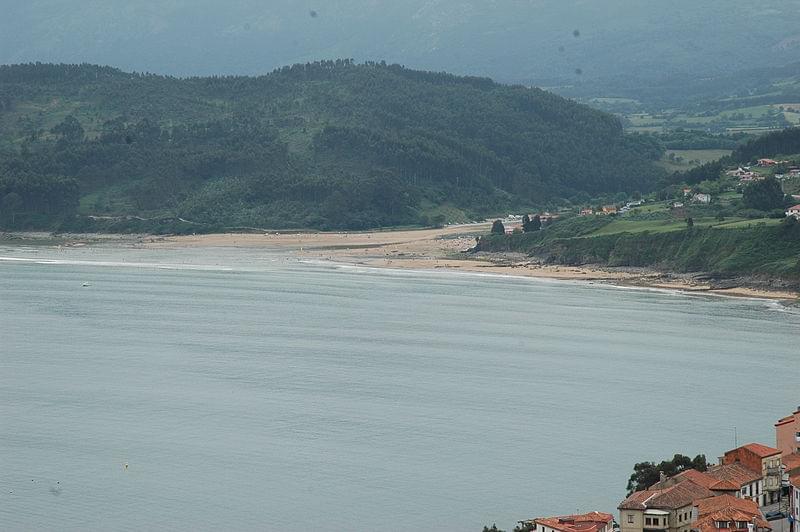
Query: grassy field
[
  {"x": 753, "y": 118},
  {"x": 623, "y": 225},
  {"x": 735, "y": 246},
  {"x": 679, "y": 160}
]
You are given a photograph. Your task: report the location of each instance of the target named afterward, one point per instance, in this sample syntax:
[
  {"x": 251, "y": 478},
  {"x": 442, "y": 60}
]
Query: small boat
[{"x": 85, "y": 285}]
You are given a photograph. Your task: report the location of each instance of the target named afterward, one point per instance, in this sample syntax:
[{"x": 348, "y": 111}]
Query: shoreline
[{"x": 412, "y": 249}]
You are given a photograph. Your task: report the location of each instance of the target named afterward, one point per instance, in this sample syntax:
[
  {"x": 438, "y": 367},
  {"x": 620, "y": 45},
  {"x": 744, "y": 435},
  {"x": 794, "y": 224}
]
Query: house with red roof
[
  {"x": 591, "y": 522},
  {"x": 794, "y": 500},
  {"x": 763, "y": 460},
  {"x": 726, "y": 479},
  {"x": 793, "y": 211},
  {"x": 748, "y": 484},
  {"x": 728, "y": 514},
  {"x": 787, "y": 429},
  {"x": 664, "y": 507}
]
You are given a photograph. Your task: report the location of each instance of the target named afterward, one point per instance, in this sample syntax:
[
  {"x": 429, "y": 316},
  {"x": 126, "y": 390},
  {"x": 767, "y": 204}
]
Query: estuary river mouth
[{"x": 247, "y": 390}]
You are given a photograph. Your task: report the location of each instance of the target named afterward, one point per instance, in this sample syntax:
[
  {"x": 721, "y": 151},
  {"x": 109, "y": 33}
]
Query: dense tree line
[
  {"x": 329, "y": 144},
  {"x": 784, "y": 142}
]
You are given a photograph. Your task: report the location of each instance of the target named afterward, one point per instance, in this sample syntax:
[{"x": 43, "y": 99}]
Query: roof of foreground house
[
  {"x": 591, "y": 522},
  {"x": 672, "y": 497},
  {"x": 791, "y": 461},
  {"x": 758, "y": 449},
  {"x": 733, "y": 473},
  {"x": 730, "y": 509}
]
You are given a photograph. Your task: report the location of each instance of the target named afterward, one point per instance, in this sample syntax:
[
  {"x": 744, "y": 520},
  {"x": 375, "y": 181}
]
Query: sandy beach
[
  {"x": 444, "y": 249},
  {"x": 423, "y": 249}
]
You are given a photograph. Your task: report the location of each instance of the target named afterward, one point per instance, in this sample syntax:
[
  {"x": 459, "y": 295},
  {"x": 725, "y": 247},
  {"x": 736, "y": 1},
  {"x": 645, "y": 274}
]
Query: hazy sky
[{"x": 506, "y": 39}]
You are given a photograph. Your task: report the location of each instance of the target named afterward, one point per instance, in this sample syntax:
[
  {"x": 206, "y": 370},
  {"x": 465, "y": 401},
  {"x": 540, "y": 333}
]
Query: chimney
[{"x": 661, "y": 476}]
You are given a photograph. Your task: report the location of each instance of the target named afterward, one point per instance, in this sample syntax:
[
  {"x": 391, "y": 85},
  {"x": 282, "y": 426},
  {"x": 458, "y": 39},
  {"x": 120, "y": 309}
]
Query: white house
[
  {"x": 794, "y": 211},
  {"x": 705, "y": 199}
]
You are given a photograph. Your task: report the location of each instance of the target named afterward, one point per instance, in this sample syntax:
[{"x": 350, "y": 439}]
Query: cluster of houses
[
  {"x": 609, "y": 210},
  {"x": 688, "y": 194},
  {"x": 754, "y": 488},
  {"x": 746, "y": 175}
]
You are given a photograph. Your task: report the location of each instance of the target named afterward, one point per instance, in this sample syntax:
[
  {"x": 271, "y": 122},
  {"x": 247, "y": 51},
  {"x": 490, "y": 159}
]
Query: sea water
[{"x": 241, "y": 389}]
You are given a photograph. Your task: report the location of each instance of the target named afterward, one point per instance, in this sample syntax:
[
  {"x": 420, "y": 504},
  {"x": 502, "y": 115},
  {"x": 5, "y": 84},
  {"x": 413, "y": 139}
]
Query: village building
[
  {"x": 746, "y": 483},
  {"x": 787, "y": 429},
  {"x": 547, "y": 218},
  {"x": 794, "y": 501},
  {"x": 586, "y": 212},
  {"x": 728, "y": 514},
  {"x": 609, "y": 209},
  {"x": 705, "y": 199},
  {"x": 767, "y": 162},
  {"x": 763, "y": 460},
  {"x": 793, "y": 211},
  {"x": 750, "y": 177},
  {"x": 738, "y": 172},
  {"x": 591, "y": 522},
  {"x": 731, "y": 479},
  {"x": 662, "y": 508}
]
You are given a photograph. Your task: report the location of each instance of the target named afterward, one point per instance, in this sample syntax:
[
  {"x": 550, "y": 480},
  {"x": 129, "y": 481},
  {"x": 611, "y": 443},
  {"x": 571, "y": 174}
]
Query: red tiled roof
[
  {"x": 795, "y": 208},
  {"x": 761, "y": 450},
  {"x": 698, "y": 477},
  {"x": 701, "y": 479},
  {"x": 724, "y": 485},
  {"x": 683, "y": 493},
  {"x": 791, "y": 461},
  {"x": 636, "y": 500},
  {"x": 591, "y": 522},
  {"x": 727, "y": 508},
  {"x": 734, "y": 473}
]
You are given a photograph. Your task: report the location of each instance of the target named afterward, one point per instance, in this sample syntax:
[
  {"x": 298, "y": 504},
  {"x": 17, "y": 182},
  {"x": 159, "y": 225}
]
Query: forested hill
[{"x": 323, "y": 145}]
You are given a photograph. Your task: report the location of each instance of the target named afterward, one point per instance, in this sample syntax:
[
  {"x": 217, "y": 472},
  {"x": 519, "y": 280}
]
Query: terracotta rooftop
[
  {"x": 701, "y": 479},
  {"x": 791, "y": 461},
  {"x": 724, "y": 485},
  {"x": 591, "y": 522},
  {"x": 636, "y": 500},
  {"x": 669, "y": 498},
  {"x": 727, "y": 508},
  {"x": 761, "y": 450},
  {"x": 734, "y": 473}
]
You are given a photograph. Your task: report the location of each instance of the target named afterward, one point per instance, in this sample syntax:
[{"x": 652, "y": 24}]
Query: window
[
  {"x": 648, "y": 521},
  {"x": 630, "y": 519},
  {"x": 741, "y": 524}
]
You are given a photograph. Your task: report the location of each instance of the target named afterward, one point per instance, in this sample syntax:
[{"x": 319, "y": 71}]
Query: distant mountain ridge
[
  {"x": 564, "y": 42},
  {"x": 326, "y": 145}
]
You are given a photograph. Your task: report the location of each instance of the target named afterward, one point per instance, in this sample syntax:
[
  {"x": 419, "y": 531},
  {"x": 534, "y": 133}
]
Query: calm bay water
[{"x": 248, "y": 391}]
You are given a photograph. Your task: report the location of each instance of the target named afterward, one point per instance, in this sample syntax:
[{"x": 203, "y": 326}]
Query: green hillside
[
  {"x": 322, "y": 145},
  {"x": 760, "y": 249}
]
